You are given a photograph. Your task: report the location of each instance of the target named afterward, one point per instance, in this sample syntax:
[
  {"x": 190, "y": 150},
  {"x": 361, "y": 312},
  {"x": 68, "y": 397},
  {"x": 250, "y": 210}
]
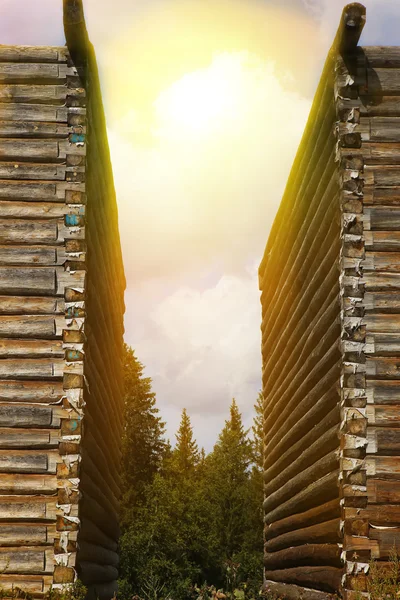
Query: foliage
[
  {"x": 143, "y": 444},
  {"x": 189, "y": 518},
  {"x": 384, "y": 582}
]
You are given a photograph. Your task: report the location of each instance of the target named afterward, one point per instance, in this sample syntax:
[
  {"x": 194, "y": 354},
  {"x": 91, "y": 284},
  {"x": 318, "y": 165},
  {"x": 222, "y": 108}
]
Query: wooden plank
[
  {"x": 21, "y": 534},
  {"x": 385, "y": 367},
  {"x": 37, "y": 210},
  {"x": 27, "y": 326},
  {"x": 28, "y": 484},
  {"x": 31, "y": 391},
  {"x": 23, "y": 560},
  {"x": 382, "y": 218},
  {"x": 23, "y": 280},
  {"x": 383, "y": 344},
  {"x": 384, "y": 262},
  {"x": 33, "y": 112},
  {"x": 27, "y": 190},
  {"x": 44, "y": 150},
  {"x": 383, "y": 491},
  {"x": 388, "y": 175},
  {"x": 383, "y": 467},
  {"x": 25, "y": 416},
  {"x": 28, "y": 439},
  {"x": 16, "y": 461},
  {"x": 383, "y": 440},
  {"x": 33, "y": 584},
  {"x": 383, "y": 416},
  {"x": 29, "y": 368},
  {"x": 381, "y": 514},
  {"x": 27, "y": 54},
  {"x": 37, "y": 129},
  {"x": 382, "y": 301},
  {"x": 13, "y": 348},
  {"x": 380, "y": 281},
  {"x": 20, "y": 231},
  {"x": 46, "y": 94},
  {"x": 387, "y": 57},
  {"x": 23, "y": 305},
  {"x": 37, "y": 255},
  {"x": 382, "y": 241},
  {"x": 29, "y": 72},
  {"x": 22, "y": 170},
  {"x": 387, "y": 538}
]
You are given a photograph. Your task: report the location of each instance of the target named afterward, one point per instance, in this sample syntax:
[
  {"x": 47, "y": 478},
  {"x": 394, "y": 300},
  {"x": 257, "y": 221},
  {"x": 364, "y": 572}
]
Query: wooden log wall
[
  {"x": 368, "y": 109},
  {"x": 61, "y": 322},
  {"x": 42, "y": 314},
  {"x": 97, "y": 558}
]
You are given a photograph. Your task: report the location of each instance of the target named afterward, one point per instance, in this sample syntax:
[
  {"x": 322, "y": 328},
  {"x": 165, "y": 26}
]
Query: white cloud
[{"x": 201, "y": 347}]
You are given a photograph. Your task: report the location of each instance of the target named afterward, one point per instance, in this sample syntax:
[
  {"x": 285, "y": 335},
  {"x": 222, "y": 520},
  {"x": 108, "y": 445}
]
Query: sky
[{"x": 206, "y": 101}]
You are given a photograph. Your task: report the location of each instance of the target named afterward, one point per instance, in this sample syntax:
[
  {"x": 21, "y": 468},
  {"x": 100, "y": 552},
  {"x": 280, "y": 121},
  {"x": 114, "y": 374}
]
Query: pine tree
[
  {"x": 258, "y": 433},
  {"x": 186, "y": 454},
  {"x": 228, "y": 477},
  {"x": 143, "y": 445}
]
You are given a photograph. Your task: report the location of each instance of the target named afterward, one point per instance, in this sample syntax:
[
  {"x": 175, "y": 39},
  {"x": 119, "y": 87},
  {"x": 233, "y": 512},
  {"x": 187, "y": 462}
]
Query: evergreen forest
[{"x": 191, "y": 522}]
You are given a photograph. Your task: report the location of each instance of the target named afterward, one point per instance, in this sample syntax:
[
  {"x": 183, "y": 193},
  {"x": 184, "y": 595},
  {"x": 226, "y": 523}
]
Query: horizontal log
[
  {"x": 383, "y": 416},
  {"x": 387, "y": 57},
  {"x": 32, "y": 171},
  {"x": 386, "y": 302},
  {"x": 380, "y": 514},
  {"x": 25, "y": 416},
  {"x": 12, "y": 348},
  {"x": 37, "y": 255},
  {"x": 25, "y": 305},
  {"x": 375, "y": 129},
  {"x": 388, "y": 175},
  {"x": 32, "y": 281},
  {"x": 384, "y": 367},
  {"x": 378, "y": 82},
  {"x": 382, "y": 344},
  {"x": 384, "y": 262},
  {"x": 308, "y": 555},
  {"x": 90, "y": 573},
  {"x": 323, "y": 578},
  {"x": 27, "y": 439},
  {"x": 382, "y": 392},
  {"x": 33, "y": 584},
  {"x": 32, "y": 72},
  {"x": 327, "y": 442},
  {"x": 33, "y": 112},
  {"x": 32, "y": 534},
  {"x": 369, "y": 105},
  {"x": 26, "y": 560},
  {"x": 28, "y": 54},
  {"x": 22, "y": 231},
  {"x": 375, "y": 281},
  {"x": 383, "y": 467},
  {"x": 89, "y": 552},
  {"x": 382, "y": 241},
  {"x": 28, "y": 508},
  {"x": 90, "y": 532},
  {"x": 31, "y": 391},
  {"x": 300, "y": 481},
  {"x": 320, "y": 514},
  {"x": 381, "y": 218},
  {"x": 383, "y": 440},
  {"x": 44, "y": 150},
  {"x": 319, "y": 492},
  {"x": 294, "y": 592},
  {"x": 306, "y": 438},
  {"x": 29, "y": 368},
  {"x": 383, "y": 491},
  {"x": 28, "y": 326},
  {"x": 327, "y": 532},
  {"x": 34, "y": 461},
  {"x": 388, "y": 540},
  {"x": 45, "y": 94},
  {"x": 28, "y": 484}
]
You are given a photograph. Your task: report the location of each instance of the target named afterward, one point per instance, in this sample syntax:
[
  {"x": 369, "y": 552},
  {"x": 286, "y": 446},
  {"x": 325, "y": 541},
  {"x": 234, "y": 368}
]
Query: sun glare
[{"x": 201, "y": 100}]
